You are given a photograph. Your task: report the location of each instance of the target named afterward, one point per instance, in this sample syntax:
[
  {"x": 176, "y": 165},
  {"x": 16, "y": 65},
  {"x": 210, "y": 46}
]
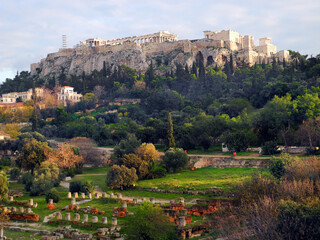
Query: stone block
[
  {"x": 77, "y": 217},
  {"x": 114, "y": 221},
  {"x": 85, "y": 218},
  {"x": 95, "y": 219},
  {"x": 69, "y": 195},
  {"x": 68, "y": 217},
  {"x": 104, "y": 220}
]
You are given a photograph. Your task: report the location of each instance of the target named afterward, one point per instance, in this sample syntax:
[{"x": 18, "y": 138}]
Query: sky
[{"x": 30, "y": 29}]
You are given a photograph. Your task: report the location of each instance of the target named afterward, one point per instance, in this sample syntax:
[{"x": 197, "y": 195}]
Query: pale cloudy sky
[{"x": 30, "y": 29}]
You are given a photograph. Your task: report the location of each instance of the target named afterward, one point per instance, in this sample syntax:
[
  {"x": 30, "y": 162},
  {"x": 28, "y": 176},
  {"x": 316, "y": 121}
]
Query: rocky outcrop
[{"x": 163, "y": 55}]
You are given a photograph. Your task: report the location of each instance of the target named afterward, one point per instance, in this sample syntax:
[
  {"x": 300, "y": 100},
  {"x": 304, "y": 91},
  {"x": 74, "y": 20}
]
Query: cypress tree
[
  {"x": 171, "y": 141},
  {"x": 194, "y": 69},
  {"x": 34, "y": 117}
]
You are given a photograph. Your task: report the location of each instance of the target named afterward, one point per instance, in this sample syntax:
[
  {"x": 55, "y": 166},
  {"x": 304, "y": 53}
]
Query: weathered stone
[
  {"x": 68, "y": 217},
  {"x": 119, "y": 195},
  {"x": 29, "y": 210},
  {"x": 31, "y": 202},
  {"x": 95, "y": 219},
  {"x": 181, "y": 200},
  {"x": 85, "y": 218},
  {"x": 50, "y": 201},
  {"x": 105, "y": 195},
  {"x": 14, "y": 209},
  {"x": 152, "y": 200},
  {"x": 76, "y": 195},
  {"x": 69, "y": 195},
  {"x": 59, "y": 215},
  {"x": 114, "y": 221},
  {"x": 5, "y": 209},
  {"x": 76, "y": 217},
  {"x": 184, "y": 212},
  {"x": 112, "y": 195},
  {"x": 182, "y": 221},
  {"x": 83, "y": 195},
  {"x": 11, "y": 198},
  {"x": 35, "y": 205},
  {"x": 90, "y": 195},
  {"x": 21, "y": 209},
  {"x": 134, "y": 201},
  {"x": 104, "y": 220},
  {"x": 124, "y": 205},
  {"x": 73, "y": 201}
]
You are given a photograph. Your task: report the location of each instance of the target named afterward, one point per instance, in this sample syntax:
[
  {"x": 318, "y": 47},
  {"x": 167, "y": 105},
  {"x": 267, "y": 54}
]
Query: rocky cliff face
[{"x": 163, "y": 55}]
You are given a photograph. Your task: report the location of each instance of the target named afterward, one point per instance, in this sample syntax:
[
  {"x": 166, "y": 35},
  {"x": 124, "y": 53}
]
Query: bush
[
  {"x": 121, "y": 177},
  {"x": 149, "y": 222},
  {"x": 298, "y": 221},
  {"x": 277, "y": 167},
  {"x": 5, "y": 162},
  {"x": 175, "y": 159},
  {"x": 27, "y": 180},
  {"x": 53, "y": 194},
  {"x": 156, "y": 171},
  {"x": 87, "y": 187},
  {"x": 270, "y": 148},
  {"x": 14, "y": 173},
  {"x": 40, "y": 186},
  {"x": 75, "y": 186}
]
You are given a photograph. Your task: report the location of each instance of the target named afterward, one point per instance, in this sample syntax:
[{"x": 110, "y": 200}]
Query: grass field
[{"x": 200, "y": 179}]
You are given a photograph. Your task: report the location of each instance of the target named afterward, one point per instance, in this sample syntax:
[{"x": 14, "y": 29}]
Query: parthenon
[{"x": 159, "y": 37}]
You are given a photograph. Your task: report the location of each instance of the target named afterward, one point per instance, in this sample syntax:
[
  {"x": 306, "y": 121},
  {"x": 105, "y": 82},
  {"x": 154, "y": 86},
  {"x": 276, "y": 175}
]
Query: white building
[
  {"x": 25, "y": 96},
  {"x": 68, "y": 95}
]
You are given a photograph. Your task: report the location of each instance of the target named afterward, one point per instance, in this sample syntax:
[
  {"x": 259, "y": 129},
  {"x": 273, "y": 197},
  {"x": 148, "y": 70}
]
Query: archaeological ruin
[{"x": 161, "y": 48}]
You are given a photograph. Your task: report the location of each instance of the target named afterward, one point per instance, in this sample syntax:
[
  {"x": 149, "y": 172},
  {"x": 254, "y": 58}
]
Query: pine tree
[{"x": 171, "y": 141}]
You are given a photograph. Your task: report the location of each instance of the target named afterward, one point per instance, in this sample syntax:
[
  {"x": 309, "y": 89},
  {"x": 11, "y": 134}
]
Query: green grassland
[{"x": 197, "y": 180}]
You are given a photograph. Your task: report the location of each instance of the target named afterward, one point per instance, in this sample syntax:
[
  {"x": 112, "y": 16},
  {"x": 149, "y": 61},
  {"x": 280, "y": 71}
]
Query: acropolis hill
[{"x": 162, "y": 48}]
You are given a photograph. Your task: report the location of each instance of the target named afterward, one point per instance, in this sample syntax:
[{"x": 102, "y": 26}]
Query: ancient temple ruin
[{"x": 159, "y": 37}]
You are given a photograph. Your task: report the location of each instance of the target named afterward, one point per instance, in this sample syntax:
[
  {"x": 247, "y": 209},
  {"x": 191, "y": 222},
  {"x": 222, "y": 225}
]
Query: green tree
[
  {"x": 32, "y": 154},
  {"x": 3, "y": 186},
  {"x": 175, "y": 159},
  {"x": 121, "y": 177},
  {"x": 171, "y": 141},
  {"x": 149, "y": 223}
]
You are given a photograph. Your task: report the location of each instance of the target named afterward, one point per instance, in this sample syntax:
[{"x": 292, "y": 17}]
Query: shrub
[
  {"x": 298, "y": 221},
  {"x": 255, "y": 188},
  {"x": 270, "y": 148},
  {"x": 175, "y": 159},
  {"x": 14, "y": 173},
  {"x": 87, "y": 187},
  {"x": 27, "y": 180},
  {"x": 75, "y": 186},
  {"x": 3, "y": 186},
  {"x": 149, "y": 222},
  {"x": 53, "y": 194},
  {"x": 40, "y": 186},
  {"x": 156, "y": 170},
  {"x": 121, "y": 177},
  {"x": 277, "y": 167},
  {"x": 5, "y": 162}
]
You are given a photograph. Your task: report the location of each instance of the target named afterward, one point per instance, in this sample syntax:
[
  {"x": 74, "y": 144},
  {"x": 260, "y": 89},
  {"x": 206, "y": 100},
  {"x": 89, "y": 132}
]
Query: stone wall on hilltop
[{"x": 76, "y": 60}]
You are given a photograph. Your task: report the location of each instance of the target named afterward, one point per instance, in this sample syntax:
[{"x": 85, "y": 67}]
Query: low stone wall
[{"x": 198, "y": 161}]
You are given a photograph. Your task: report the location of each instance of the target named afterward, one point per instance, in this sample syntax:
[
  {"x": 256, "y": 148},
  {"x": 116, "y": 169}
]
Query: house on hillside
[{"x": 68, "y": 95}]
